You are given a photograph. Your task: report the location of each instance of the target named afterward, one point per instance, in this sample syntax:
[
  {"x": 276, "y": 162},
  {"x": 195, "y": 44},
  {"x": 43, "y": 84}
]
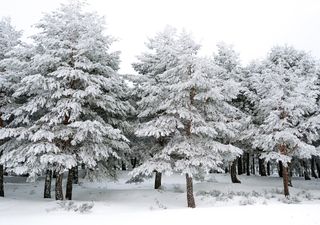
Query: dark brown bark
[
  {"x": 285, "y": 176},
  {"x": 75, "y": 175},
  {"x": 190, "y": 197},
  {"x": 280, "y": 172},
  {"x": 262, "y": 168},
  {"x": 123, "y": 166},
  {"x": 134, "y": 162},
  {"x": 247, "y": 156},
  {"x": 69, "y": 184},
  {"x": 59, "y": 191},
  {"x": 240, "y": 171},
  {"x": 157, "y": 180},
  {"x": 1, "y": 181},
  {"x": 305, "y": 170},
  {"x": 47, "y": 184},
  {"x": 313, "y": 167},
  {"x": 253, "y": 165},
  {"x": 233, "y": 172},
  {"x": 268, "y": 169},
  {"x": 285, "y": 170},
  {"x": 290, "y": 175},
  {"x": 318, "y": 166}
]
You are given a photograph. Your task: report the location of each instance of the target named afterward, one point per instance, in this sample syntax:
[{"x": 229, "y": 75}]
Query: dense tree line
[{"x": 63, "y": 105}]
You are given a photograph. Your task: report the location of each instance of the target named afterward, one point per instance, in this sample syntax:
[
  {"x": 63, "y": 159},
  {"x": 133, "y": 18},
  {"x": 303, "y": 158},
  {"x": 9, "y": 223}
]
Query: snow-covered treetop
[
  {"x": 76, "y": 102},
  {"x": 10, "y": 46},
  {"x": 286, "y": 86},
  {"x": 226, "y": 57},
  {"x": 187, "y": 99},
  {"x": 9, "y": 37}
]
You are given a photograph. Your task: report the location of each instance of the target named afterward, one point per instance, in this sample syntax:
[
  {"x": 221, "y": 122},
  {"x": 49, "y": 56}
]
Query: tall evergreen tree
[
  {"x": 9, "y": 40},
  {"x": 286, "y": 86},
  {"x": 234, "y": 125},
  {"x": 150, "y": 89},
  {"x": 193, "y": 97},
  {"x": 75, "y": 99}
]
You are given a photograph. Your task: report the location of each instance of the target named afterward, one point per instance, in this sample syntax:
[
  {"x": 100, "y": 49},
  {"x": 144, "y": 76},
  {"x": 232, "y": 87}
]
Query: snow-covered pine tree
[
  {"x": 9, "y": 39},
  {"x": 193, "y": 94},
  {"x": 155, "y": 127},
  {"x": 234, "y": 121},
  {"x": 286, "y": 86},
  {"x": 75, "y": 103}
]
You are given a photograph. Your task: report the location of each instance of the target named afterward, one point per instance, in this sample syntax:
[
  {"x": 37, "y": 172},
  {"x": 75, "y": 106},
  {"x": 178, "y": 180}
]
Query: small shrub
[
  {"x": 247, "y": 201},
  {"x": 81, "y": 207}
]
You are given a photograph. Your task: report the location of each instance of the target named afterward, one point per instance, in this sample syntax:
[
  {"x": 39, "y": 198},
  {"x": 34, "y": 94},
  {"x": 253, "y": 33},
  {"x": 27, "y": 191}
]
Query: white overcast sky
[{"x": 252, "y": 26}]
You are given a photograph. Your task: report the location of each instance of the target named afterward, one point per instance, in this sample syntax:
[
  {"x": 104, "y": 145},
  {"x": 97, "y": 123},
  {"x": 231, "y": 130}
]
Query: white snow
[{"x": 258, "y": 200}]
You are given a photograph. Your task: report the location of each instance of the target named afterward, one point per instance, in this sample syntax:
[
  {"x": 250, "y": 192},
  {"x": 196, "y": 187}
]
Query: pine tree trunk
[
  {"x": 280, "y": 167},
  {"x": 157, "y": 180},
  {"x": 253, "y": 165},
  {"x": 190, "y": 197},
  {"x": 305, "y": 170},
  {"x": 69, "y": 184},
  {"x": 240, "y": 165},
  {"x": 1, "y": 181},
  {"x": 244, "y": 165},
  {"x": 1, "y": 168},
  {"x": 285, "y": 176},
  {"x": 313, "y": 167},
  {"x": 134, "y": 162},
  {"x": 54, "y": 174},
  {"x": 75, "y": 175},
  {"x": 47, "y": 184},
  {"x": 318, "y": 166},
  {"x": 233, "y": 172},
  {"x": 268, "y": 169},
  {"x": 248, "y": 163},
  {"x": 123, "y": 166},
  {"x": 262, "y": 168},
  {"x": 59, "y": 191},
  {"x": 289, "y": 175}
]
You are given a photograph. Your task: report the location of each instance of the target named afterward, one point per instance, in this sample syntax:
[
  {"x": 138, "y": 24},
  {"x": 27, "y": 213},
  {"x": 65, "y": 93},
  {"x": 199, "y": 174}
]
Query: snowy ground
[{"x": 258, "y": 200}]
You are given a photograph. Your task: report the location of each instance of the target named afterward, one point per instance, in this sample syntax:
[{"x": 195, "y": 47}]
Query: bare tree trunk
[
  {"x": 285, "y": 176},
  {"x": 253, "y": 165},
  {"x": 233, "y": 172},
  {"x": 262, "y": 168},
  {"x": 69, "y": 184},
  {"x": 47, "y": 184},
  {"x": 289, "y": 175},
  {"x": 318, "y": 165},
  {"x": 75, "y": 175},
  {"x": 305, "y": 170},
  {"x": 1, "y": 168},
  {"x": 59, "y": 191},
  {"x": 247, "y": 155},
  {"x": 157, "y": 180},
  {"x": 313, "y": 167},
  {"x": 134, "y": 162},
  {"x": 280, "y": 167},
  {"x": 244, "y": 164},
  {"x": 268, "y": 168},
  {"x": 190, "y": 197},
  {"x": 239, "y": 159},
  {"x": 123, "y": 166},
  {"x": 1, "y": 181}
]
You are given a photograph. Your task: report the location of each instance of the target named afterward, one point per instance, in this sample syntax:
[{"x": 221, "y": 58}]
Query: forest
[{"x": 66, "y": 110}]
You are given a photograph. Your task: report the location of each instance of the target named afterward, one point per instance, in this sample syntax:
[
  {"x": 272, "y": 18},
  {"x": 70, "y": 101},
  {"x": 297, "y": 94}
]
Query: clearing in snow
[{"x": 117, "y": 202}]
